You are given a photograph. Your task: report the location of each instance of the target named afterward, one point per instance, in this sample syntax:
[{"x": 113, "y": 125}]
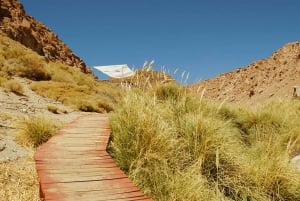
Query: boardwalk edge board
[{"x": 74, "y": 165}]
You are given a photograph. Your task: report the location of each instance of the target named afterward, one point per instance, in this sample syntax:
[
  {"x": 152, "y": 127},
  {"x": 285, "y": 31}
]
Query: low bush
[
  {"x": 13, "y": 86},
  {"x": 35, "y": 131},
  {"x": 87, "y": 106},
  {"x": 53, "y": 109},
  {"x": 19, "y": 61},
  {"x": 168, "y": 91}
]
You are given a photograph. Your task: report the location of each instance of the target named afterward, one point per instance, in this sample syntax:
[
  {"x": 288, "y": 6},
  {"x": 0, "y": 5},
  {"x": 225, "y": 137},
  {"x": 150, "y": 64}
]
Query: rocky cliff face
[
  {"x": 261, "y": 81},
  {"x": 25, "y": 29}
]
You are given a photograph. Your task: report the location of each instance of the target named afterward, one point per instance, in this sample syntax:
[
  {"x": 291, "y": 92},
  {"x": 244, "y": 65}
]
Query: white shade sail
[{"x": 116, "y": 71}]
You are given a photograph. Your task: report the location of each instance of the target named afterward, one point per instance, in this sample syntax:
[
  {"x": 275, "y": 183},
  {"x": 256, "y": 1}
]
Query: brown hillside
[
  {"x": 261, "y": 81},
  {"x": 25, "y": 29}
]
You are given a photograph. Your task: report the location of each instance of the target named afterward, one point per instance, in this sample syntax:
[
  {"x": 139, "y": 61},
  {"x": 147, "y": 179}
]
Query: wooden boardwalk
[{"x": 74, "y": 165}]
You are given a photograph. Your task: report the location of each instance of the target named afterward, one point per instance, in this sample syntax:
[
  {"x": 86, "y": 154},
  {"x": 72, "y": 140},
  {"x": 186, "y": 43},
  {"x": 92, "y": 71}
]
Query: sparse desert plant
[
  {"x": 53, "y": 109},
  {"x": 105, "y": 106},
  {"x": 5, "y": 116},
  {"x": 168, "y": 91},
  {"x": 33, "y": 69},
  {"x": 87, "y": 106},
  {"x": 20, "y": 61},
  {"x": 35, "y": 131},
  {"x": 13, "y": 86},
  {"x": 2, "y": 79}
]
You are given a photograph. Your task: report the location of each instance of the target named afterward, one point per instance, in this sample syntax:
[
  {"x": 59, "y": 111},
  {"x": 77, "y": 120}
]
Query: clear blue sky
[{"x": 205, "y": 38}]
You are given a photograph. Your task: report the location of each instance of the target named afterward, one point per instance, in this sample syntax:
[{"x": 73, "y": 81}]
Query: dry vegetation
[
  {"x": 35, "y": 131},
  {"x": 145, "y": 78},
  {"x": 174, "y": 145},
  {"x": 18, "y": 181},
  {"x": 13, "y": 86},
  {"x": 52, "y": 80},
  {"x": 55, "y": 80},
  {"x": 177, "y": 146}
]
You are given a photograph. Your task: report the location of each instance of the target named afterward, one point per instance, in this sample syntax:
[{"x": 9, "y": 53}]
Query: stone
[
  {"x": 296, "y": 161},
  {"x": 18, "y": 25},
  {"x": 2, "y": 145}
]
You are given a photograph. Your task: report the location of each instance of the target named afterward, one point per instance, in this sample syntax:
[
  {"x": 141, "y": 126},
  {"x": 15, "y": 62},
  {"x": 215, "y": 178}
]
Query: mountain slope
[
  {"x": 261, "y": 81},
  {"x": 25, "y": 29}
]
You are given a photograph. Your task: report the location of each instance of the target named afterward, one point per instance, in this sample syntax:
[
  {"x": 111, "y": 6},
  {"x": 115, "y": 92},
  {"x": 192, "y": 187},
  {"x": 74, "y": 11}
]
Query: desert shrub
[
  {"x": 224, "y": 152},
  {"x": 2, "y": 80},
  {"x": 168, "y": 91},
  {"x": 13, "y": 86},
  {"x": 13, "y": 53},
  {"x": 105, "y": 106},
  {"x": 87, "y": 106},
  {"x": 63, "y": 73},
  {"x": 33, "y": 69},
  {"x": 53, "y": 109},
  {"x": 35, "y": 131},
  {"x": 23, "y": 62},
  {"x": 5, "y": 116}
]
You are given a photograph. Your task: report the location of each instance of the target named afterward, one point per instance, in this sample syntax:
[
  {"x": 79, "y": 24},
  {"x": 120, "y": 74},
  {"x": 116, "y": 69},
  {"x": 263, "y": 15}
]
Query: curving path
[{"x": 74, "y": 165}]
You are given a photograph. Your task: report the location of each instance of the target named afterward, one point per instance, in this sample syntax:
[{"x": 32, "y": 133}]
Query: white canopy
[{"x": 116, "y": 71}]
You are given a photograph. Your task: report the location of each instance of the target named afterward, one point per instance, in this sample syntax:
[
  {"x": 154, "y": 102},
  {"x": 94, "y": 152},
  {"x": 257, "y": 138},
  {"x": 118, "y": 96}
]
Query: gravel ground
[{"x": 29, "y": 104}]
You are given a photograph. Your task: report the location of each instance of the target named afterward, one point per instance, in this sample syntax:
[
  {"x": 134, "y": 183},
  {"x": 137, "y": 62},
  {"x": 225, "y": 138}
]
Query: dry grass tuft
[
  {"x": 5, "y": 116},
  {"x": 35, "y": 131},
  {"x": 13, "y": 86},
  {"x": 53, "y": 109},
  {"x": 19, "y": 181}
]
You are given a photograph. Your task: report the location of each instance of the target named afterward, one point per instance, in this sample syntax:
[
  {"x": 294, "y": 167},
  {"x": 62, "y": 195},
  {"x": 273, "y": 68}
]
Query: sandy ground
[{"x": 13, "y": 107}]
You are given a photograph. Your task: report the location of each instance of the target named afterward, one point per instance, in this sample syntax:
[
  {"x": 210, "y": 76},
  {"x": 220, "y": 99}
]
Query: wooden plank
[{"x": 74, "y": 165}]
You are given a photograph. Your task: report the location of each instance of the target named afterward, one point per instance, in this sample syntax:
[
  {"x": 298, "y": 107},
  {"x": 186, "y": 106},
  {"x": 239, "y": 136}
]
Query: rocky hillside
[
  {"x": 261, "y": 81},
  {"x": 25, "y": 29}
]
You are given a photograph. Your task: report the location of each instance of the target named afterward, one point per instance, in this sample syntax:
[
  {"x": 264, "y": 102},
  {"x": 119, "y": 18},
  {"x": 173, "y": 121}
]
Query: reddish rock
[
  {"x": 25, "y": 29},
  {"x": 261, "y": 81}
]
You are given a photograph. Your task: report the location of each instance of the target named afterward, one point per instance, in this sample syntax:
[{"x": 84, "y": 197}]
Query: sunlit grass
[
  {"x": 13, "y": 86},
  {"x": 177, "y": 146},
  {"x": 35, "y": 131},
  {"x": 56, "y": 80},
  {"x": 18, "y": 180}
]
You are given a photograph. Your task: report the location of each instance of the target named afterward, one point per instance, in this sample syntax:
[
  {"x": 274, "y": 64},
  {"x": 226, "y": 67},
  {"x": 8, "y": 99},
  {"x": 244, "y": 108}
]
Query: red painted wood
[{"x": 74, "y": 165}]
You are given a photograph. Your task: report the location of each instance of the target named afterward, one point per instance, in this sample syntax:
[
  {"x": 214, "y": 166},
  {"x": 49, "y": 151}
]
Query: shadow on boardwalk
[{"x": 74, "y": 165}]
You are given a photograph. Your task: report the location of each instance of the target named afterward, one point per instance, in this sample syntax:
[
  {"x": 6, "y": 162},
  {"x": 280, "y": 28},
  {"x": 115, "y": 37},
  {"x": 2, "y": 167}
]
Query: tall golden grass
[{"x": 177, "y": 146}]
